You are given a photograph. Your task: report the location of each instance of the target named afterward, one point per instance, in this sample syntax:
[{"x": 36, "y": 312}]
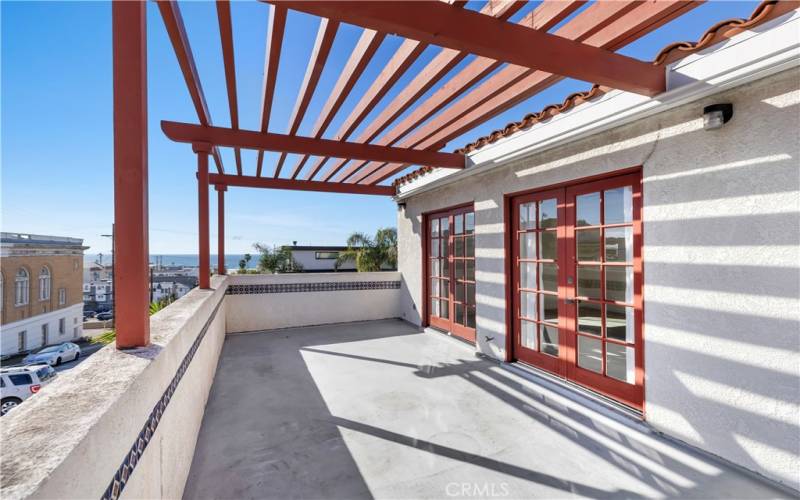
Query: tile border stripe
[{"x": 329, "y": 286}]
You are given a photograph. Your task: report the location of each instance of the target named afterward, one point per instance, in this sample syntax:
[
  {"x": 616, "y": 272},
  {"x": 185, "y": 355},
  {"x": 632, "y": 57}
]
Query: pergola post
[
  {"x": 204, "y": 273},
  {"x": 221, "y": 188},
  {"x": 131, "y": 246}
]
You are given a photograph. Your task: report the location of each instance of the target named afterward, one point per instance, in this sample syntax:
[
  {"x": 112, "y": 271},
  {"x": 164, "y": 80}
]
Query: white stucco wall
[
  {"x": 73, "y": 329},
  {"x": 101, "y": 406},
  {"x": 721, "y": 223},
  {"x": 266, "y": 311}
]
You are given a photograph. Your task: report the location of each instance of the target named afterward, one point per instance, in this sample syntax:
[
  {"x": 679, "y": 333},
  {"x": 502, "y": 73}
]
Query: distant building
[
  {"x": 316, "y": 259},
  {"x": 171, "y": 287},
  {"x": 40, "y": 279}
]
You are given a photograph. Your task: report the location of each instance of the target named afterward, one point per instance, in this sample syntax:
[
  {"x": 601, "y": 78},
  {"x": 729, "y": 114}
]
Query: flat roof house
[{"x": 598, "y": 300}]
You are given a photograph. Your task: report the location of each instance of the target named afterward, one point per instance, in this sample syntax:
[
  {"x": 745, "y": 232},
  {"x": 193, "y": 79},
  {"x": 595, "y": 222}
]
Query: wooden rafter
[
  {"x": 452, "y": 27},
  {"x": 316, "y": 63},
  {"x": 226, "y": 37},
  {"x": 361, "y": 55},
  {"x": 275, "y": 28},
  {"x": 266, "y": 141},
  {"x": 298, "y": 185},
  {"x": 545, "y": 16},
  {"x": 173, "y": 21},
  {"x": 514, "y": 84}
]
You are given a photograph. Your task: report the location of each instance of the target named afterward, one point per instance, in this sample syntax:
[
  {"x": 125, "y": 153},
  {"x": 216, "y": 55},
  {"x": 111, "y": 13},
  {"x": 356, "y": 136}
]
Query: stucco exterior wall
[{"x": 721, "y": 223}]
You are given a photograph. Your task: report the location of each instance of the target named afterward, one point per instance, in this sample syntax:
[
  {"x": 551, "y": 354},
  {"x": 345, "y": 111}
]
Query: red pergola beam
[
  {"x": 620, "y": 25},
  {"x": 439, "y": 66},
  {"x": 448, "y": 26},
  {"x": 544, "y": 17},
  {"x": 275, "y": 27},
  {"x": 266, "y": 141},
  {"x": 361, "y": 55},
  {"x": 173, "y": 21},
  {"x": 226, "y": 37},
  {"x": 316, "y": 63},
  {"x": 298, "y": 185}
]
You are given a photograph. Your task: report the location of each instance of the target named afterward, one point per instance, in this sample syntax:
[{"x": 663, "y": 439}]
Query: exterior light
[{"x": 717, "y": 115}]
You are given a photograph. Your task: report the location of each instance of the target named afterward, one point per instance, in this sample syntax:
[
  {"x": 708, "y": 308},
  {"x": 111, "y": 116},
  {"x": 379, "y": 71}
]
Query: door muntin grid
[
  {"x": 604, "y": 295},
  {"x": 463, "y": 259},
  {"x": 439, "y": 267}
]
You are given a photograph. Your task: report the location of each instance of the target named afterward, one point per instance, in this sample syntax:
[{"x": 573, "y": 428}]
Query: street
[{"x": 87, "y": 349}]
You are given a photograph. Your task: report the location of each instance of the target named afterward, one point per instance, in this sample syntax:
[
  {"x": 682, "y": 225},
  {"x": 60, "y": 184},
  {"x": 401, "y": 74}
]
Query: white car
[
  {"x": 54, "y": 355},
  {"x": 21, "y": 382}
]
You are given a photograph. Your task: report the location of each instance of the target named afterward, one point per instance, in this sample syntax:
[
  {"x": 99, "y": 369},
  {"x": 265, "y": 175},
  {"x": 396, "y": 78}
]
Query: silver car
[
  {"x": 21, "y": 382},
  {"x": 54, "y": 355}
]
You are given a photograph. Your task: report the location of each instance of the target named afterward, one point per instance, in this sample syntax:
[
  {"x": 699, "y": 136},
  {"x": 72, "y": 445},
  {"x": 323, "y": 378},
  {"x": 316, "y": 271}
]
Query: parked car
[
  {"x": 88, "y": 314},
  {"x": 54, "y": 354},
  {"x": 21, "y": 382},
  {"x": 105, "y": 316}
]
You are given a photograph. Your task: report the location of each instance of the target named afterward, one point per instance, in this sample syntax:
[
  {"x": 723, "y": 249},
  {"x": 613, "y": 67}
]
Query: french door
[
  {"x": 451, "y": 271},
  {"x": 577, "y": 283}
]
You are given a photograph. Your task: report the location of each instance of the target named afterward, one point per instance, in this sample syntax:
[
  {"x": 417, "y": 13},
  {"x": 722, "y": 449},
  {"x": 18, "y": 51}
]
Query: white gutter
[{"x": 765, "y": 50}]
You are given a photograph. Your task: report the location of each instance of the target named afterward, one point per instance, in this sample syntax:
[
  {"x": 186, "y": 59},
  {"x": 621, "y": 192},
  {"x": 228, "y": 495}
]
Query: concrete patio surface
[{"x": 381, "y": 410}]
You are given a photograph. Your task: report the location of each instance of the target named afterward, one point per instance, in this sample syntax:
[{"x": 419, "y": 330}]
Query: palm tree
[{"x": 371, "y": 254}]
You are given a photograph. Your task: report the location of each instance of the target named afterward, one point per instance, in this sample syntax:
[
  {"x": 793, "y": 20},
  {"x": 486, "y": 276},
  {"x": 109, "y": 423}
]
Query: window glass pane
[
  {"x": 527, "y": 245},
  {"x": 619, "y": 323},
  {"x": 470, "y": 241},
  {"x": 471, "y": 293},
  {"x": 620, "y": 362},
  {"x": 619, "y": 244},
  {"x": 588, "y": 210},
  {"x": 470, "y": 270},
  {"x": 590, "y": 354},
  {"x": 458, "y": 266},
  {"x": 547, "y": 245},
  {"x": 459, "y": 312},
  {"x": 458, "y": 221},
  {"x": 435, "y": 289},
  {"x": 435, "y": 227},
  {"x": 619, "y": 283},
  {"x": 435, "y": 245},
  {"x": 527, "y": 216},
  {"x": 458, "y": 247},
  {"x": 460, "y": 292},
  {"x": 445, "y": 247},
  {"x": 471, "y": 317},
  {"x": 445, "y": 266},
  {"x": 527, "y": 275},
  {"x": 444, "y": 309},
  {"x": 469, "y": 222},
  {"x": 528, "y": 331},
  {"x": 549, "y": 340},
  {"x": 548, "y": 277},
  {"x": 588, "y": 245},
  {"x": 589, "y": 281},
  {"x": 527, "y": 305},
  {"x": 444, "y": 227},
  {"x": 435, "y": 267},
  {"x": 20, "y": 379},
  {"x": 548, "y": 308},
  {"x": 548, "y": 214},
  {"x": 589, "y": 319},
  {"x": 618, "y": 205}
]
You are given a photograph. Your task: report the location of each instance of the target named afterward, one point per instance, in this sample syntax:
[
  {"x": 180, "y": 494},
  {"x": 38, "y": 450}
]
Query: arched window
[
  {"x": 44, "y": 284},
  {"x": 21, "y": 287}
]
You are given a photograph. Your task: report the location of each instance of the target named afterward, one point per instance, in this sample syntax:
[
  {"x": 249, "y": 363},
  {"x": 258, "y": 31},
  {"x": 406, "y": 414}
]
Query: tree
[
  {"x": 276, "y": 259},
  {"x": 243, "y": 262},
  {"x": 371, "y": 254}
]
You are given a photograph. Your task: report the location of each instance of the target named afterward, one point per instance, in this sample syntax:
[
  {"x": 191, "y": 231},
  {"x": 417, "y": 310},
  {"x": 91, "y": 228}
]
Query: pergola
[{"x": 520, "y": 59}]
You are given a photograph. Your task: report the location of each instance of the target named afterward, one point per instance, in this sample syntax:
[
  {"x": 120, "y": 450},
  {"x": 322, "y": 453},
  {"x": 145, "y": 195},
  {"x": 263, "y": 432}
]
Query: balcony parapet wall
[{"x": 268, "y": 301}]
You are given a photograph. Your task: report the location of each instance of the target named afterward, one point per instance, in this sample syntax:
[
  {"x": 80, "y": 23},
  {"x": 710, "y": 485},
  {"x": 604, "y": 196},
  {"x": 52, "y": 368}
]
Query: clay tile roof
[{"x": 766, "y": 10}]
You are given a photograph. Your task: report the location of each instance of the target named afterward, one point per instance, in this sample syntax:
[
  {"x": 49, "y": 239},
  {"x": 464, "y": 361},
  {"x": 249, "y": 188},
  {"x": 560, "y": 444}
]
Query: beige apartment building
[{"x": 42, "y": 298}]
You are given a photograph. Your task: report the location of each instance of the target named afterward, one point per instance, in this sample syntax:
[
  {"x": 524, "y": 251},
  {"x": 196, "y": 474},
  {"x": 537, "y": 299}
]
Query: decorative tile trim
[
  {"x": 330, "y": 286},
  {"x": 117, "y": 484}
]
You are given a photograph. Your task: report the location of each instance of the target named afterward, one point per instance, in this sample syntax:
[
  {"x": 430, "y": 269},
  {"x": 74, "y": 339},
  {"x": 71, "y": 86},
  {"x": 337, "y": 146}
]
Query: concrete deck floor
[{"x": 380, "y": 410}]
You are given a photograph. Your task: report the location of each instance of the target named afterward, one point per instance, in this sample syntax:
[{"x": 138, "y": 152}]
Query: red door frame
[
  {"x": 425, "y": 237},
  {"x": 636, "y": 401}
]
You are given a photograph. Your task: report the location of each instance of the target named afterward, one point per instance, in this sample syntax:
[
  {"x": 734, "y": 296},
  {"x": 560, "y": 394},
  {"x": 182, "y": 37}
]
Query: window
[
  {"x": 21, "y": 340},
  {"x": 20, "y": 379},
  {"x": 44, "y": 373},
  {"x": 45, "y": 333},
  {"x": 326, "y": 255},
  {"x": 62, "y": 296},
  {"x": 75, "y": 332},
  {"x": 2, "y": 382},
  {"x": 62, "y": 323},
  {"x": 21, "y": 287},
  {"x": 44, "y": 283}
]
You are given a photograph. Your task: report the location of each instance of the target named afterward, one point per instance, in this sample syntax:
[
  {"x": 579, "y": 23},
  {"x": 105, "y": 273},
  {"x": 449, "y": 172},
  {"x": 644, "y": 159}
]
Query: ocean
[{"x": 186, "y": 260}]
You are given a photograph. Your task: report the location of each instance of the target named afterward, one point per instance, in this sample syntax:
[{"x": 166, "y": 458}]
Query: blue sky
[{"x": 56, "y": 130}]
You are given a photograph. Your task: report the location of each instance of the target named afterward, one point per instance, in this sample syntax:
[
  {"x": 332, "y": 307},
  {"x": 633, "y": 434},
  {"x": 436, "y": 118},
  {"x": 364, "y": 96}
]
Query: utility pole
[{"x": 113, "y": 275}]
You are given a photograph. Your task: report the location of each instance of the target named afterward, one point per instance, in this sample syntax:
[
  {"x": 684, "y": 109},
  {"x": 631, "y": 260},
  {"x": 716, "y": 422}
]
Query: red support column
[
  {"x": 131, "y": 246},
  {"x": 203, "y": 150},
  {"x": 221, "y": 188}
]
